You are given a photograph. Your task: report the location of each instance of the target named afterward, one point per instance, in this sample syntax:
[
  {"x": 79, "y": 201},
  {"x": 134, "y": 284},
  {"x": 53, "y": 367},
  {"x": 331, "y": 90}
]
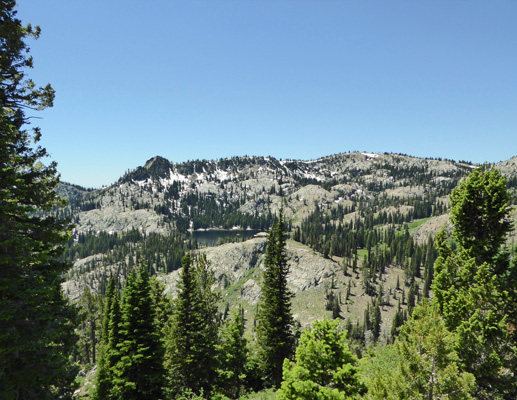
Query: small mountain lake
[{"x": 215, "y": 237}]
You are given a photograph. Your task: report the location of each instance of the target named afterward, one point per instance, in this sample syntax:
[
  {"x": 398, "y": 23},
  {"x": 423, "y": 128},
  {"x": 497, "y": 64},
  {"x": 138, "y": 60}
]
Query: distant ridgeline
[{"x": 344, "y": 205}]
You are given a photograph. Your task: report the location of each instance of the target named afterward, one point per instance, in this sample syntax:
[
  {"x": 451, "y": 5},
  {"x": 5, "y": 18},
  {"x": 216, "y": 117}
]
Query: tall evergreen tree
[
  {"x": 114, "y": 339},
  {"x": 36, "y": 321},
  {"x": 90, "y": 313},
  {"x": 205, "y": 283},
  {"x": 232, "y": 355},
  {"x": 474, "y": 286},
  {"x": 139, "y": 374},
  {"x": 274, "y": 320},
  {"x": 104, "y": 369},
  {"x": 376, "y": 319},
  {"x": 192, "y": 333},
  {"x": 480, "y": 206},
  {"x": 180, "y": 356},
  {"x": 162, "y": 303}
]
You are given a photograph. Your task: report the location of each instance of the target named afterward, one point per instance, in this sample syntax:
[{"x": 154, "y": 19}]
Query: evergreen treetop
[
  {"x": 474, "y": 286},
  {"x": 480, "y": 207},
  {"x": 139, "y": 373},
  {"x": 36, "y": 321},
  {"x": 232, "y": 355},
  {"x": 105, "y": 367},
  {"x": 191, "y": 336},
  {"x": 275, "y": 334},
  {"x": 324, "y": 367}
]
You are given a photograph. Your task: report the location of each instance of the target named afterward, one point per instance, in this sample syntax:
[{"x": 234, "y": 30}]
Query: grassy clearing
[
  {"x": 361, "y": 253},
  {"x": 413, "y": 226}
]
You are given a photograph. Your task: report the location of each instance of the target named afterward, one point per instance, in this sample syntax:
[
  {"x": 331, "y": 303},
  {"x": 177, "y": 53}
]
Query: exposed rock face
[
  {"x": 233, "y": 262},
  {"x": 509, "y": 167},
  {"x": 431, "y": 228},
  {"x": 307, "y": 268},
  {"x": 113, "y": 219},
  {"x": 74, "y": 288}
]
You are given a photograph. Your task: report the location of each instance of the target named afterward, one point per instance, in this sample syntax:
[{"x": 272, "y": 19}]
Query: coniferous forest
[{"x": 130, "y": 333}]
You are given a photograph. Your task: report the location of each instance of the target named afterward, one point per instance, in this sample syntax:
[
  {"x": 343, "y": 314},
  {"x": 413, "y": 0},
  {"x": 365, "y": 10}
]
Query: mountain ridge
[
  {"x": 359, "y": 223},
  {"x": 263, "y": 178}
]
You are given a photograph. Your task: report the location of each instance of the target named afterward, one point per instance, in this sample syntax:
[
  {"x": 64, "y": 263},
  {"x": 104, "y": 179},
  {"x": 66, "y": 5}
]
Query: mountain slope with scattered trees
[{"x": 422, "y": 305}]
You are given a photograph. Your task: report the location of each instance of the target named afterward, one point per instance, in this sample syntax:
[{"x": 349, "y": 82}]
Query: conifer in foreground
[
  {"x": 139, "y": 373},
  {"x": 232, "y": 355},
  {"x": 324, "y": 367},
  {"x": 192, "y": 331},
  {"x": 36, "y": 321},
  {"x": 274, "y": 319},
  {"x": 475, "y": 286},
  {"x": 105, "y": 367}
]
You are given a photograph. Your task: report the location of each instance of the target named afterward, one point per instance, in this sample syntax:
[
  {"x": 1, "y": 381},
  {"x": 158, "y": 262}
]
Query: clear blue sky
[{"x": 192, "y": 79}]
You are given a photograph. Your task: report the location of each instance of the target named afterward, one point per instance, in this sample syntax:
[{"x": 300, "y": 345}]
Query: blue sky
[{"x": 192, "y": 79}]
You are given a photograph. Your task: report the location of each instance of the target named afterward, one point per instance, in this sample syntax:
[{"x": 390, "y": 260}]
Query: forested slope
[{"x": 361, "y": 230}]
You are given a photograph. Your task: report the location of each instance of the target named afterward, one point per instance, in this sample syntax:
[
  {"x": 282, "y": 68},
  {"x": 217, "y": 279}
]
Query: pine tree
[
  {"x": 162, "y": 304},
  {"x": 428, "y": 362},
  {"x": 474, "y": 286},
  {"x": 376, "y": 319},
  {"x": 104, "y": 377},
  {"x": 274, "y": 321},
  {"x": 422, "y": 364},
  {"x": 324, "y": 367},
  {"x": 180, "y": 356},
  {"x": 232, "y": 356},
  {"x": 36, "y": 321},
  {"x": 480, "y": 206},
  {"x": 411, "y": 297},
  {"x": 398, "y": 320},
  {"x": 192, "y": 332},
  {"x": 90, "y": 314},
  {"x": 209, "y": 299},
  {"x": 139, "y": 373},
  {"x": 114, "y": 338}
]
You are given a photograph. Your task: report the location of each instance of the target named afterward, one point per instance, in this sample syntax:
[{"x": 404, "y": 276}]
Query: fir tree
[
  {"x": 104, "y": 377},
  {"x": 376, "y": 319},
  {"x": 474, "y": 286},
  {"x": 324, "y": 367},
  {"x": 274, "y": 319},
  {"x": 232, "y": 356},
  {"x": 191, "y": 335},
  {"x": 209, "y": 299},
  {"x": 36, "y": 321},
  {"x": 162, "y": 304},
  {"x": 181, "y": 357},
  {"x": 114, "y": 338},
  {"x": 480, "y": 206},
  {"x": 422, "y": 364},
  {"x": 139, "y": 373}
]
